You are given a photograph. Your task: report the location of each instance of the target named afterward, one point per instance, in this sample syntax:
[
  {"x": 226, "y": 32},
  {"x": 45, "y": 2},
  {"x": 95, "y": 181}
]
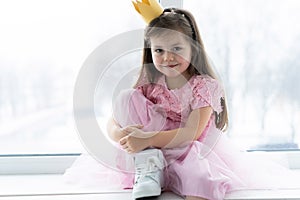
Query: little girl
[
  {"x": 176, "y": 112},
  {"x": 177, "y": 102}
]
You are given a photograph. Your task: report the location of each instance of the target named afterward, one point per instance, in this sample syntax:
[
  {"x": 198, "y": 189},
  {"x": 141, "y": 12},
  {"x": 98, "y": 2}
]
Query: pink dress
[{"x": 208, "y": 167}]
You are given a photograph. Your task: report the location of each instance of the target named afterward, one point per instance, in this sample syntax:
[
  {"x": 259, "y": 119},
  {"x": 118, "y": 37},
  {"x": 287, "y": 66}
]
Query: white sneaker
[{"x": 149, "y": 173}]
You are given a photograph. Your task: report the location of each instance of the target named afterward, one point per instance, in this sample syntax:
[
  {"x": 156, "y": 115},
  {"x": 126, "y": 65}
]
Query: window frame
[{"x": 24, "y": 164}]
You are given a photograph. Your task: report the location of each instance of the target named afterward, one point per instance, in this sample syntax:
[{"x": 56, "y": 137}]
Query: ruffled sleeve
[{"x": 206, "y": 91}]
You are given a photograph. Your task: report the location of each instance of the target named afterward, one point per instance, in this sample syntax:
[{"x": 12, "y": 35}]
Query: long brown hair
[{"x": 180, "y": 20}]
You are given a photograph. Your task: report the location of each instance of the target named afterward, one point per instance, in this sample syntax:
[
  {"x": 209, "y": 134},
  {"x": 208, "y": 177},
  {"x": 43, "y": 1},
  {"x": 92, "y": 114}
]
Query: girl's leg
[
  {"x": 194, "y": 198},
  {"x": 132, "y": 107}
]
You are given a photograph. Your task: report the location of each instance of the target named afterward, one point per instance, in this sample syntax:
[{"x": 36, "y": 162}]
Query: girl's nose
[{"x": 169, "y": 56}]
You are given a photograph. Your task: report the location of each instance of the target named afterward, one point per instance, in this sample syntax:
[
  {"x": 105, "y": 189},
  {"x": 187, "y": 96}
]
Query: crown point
[
  {"x": 136, "y": 6},
  {"x": 148, "y": 9},
  {"x": 146, "y": 2}
]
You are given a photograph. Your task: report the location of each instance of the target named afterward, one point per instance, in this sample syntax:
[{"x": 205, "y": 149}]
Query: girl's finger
[
  {"x": 124, "y": 130},
  {"x": 129, "y": 128},
  {"x": 138, "y": 126},
  {"x": 122, "y": 141},
  {"x": 129, "y": 151}
]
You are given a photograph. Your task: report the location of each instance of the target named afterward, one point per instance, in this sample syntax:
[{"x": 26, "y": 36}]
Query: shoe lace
[{"x": 153, "y": 164}]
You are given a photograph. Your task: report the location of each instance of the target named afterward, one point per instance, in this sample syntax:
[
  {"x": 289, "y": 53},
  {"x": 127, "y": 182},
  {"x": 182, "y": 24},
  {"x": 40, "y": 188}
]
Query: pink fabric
[
  {"x": 209, "y": 167},
  {"x": 206, "y": 92},
  {"x": 199, "y": 91}
]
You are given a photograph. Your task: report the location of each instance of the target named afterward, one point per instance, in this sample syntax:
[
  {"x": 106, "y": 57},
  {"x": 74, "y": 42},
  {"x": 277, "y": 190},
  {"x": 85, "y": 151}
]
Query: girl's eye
[
  {"x": 158, "y": 50},
  {"x": 177, "y": 49}
]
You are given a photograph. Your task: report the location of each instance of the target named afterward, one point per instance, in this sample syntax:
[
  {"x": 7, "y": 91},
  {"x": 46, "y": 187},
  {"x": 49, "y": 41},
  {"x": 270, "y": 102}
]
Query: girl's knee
[{"x": 126, "y": 107}]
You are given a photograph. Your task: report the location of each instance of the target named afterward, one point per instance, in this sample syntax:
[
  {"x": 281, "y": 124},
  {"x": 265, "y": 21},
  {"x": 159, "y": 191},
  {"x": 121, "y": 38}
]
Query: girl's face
[{"x": 171, "y": 54}]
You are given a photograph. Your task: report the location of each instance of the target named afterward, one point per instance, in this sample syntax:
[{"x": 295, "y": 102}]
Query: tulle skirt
[{"x": 208, "y": 169}]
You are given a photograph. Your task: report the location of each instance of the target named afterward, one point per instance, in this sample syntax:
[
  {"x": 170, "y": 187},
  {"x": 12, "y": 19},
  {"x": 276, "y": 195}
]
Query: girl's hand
[
  {"x": 128, "y": 129},
  {"x": 115, "y": 132},
  {"x": 135, "y": 140}
]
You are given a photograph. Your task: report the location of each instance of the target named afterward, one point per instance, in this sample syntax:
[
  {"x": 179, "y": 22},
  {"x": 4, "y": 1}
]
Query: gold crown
[{"x": 148, "y": 9}]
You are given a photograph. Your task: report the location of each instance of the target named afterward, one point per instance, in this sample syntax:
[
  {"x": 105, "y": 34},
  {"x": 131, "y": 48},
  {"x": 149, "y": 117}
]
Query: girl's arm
[
  {"x": 114, "y": 130},
  {"x": 138, "y": 140},
  {"x": 194, "y": 127}
]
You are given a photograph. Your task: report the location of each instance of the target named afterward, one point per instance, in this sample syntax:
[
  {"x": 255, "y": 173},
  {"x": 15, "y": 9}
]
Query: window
[
  {"x": 254, "y": 46},
  {"x": 43, "y": 46}
]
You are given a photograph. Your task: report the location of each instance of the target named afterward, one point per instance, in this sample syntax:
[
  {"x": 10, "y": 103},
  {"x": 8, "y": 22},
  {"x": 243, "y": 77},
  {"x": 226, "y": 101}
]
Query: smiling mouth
[{"x": 171, "y": 66}]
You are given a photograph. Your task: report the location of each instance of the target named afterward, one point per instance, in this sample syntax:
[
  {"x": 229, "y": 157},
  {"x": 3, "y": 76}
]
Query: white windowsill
[
  {"x": 40, "y": 178},
  {"x": 58, "y": 164},
  {"x": 52, "y": 186}
]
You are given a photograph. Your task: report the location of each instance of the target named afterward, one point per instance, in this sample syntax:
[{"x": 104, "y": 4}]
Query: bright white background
[
  {"x": 43, "y": 45},
  {"x": 254, "y": 46}
]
